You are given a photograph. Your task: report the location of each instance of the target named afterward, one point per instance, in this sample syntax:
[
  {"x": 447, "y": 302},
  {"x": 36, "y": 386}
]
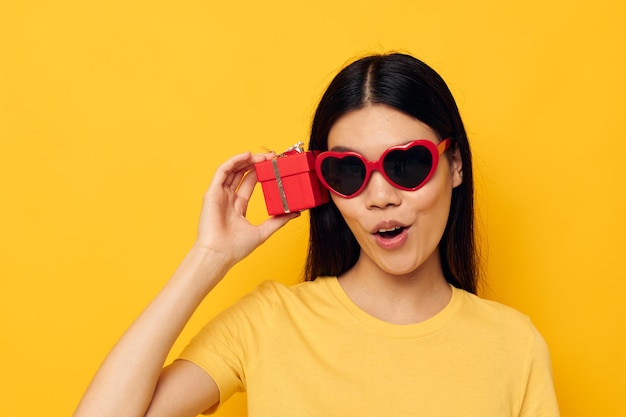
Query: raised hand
[
  {"x": 126, "y": 383},
  {"x": 224, "y": 228}
]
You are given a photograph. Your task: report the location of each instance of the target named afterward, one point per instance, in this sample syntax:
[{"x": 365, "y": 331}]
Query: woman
[{"x": 386, "y": 323}]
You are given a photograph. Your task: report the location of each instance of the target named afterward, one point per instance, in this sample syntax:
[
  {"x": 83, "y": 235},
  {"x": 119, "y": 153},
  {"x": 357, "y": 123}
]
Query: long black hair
[{"x": 408, "y": 85}]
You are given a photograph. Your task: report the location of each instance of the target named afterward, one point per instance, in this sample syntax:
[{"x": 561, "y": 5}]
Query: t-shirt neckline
[{"x": 431, "y": 325}]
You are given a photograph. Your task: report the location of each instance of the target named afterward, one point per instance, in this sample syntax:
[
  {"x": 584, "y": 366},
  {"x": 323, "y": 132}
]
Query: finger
[
  {"x": 246, "y": 186},
  {"x": 242, "y": 166},
  {"x": 224, "y": 173},
  {"x": 237, "y": 172},
  {"x": 235, "y": 181},
  {"x": 245, "y": 190},
  {"x": 265, "y": 155},
  {"x": 271, "y": 225},
  {"x": 245, "y": 164}
]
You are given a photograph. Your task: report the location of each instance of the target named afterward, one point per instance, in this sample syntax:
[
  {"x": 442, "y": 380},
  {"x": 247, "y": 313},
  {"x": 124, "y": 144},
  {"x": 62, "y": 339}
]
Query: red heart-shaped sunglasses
[{"x": 407, "y": 167}]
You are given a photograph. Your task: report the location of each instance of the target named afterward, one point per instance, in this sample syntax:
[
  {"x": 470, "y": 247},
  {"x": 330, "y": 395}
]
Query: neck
[{"x": 398, "y": 298}]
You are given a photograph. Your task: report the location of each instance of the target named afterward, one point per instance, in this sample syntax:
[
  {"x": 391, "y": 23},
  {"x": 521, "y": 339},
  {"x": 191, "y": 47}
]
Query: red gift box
[{"x": 290, "y": 184}]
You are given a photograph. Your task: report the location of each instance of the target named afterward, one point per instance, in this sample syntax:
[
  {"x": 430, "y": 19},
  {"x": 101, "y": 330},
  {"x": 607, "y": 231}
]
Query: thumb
[{"x": 271, "y": 225}]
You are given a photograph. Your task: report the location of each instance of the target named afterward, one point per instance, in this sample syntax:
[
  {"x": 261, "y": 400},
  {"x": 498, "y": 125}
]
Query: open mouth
[{"x": 389, "y": 233}]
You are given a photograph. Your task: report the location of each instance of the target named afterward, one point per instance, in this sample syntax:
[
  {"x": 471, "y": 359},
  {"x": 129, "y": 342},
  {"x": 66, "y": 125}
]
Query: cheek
[
  {"x": 353, "y": 214},
  {"x": 432, "y": 203},
  {"x": 346, "y": 207},
  {"x": 438, "y": 207}
]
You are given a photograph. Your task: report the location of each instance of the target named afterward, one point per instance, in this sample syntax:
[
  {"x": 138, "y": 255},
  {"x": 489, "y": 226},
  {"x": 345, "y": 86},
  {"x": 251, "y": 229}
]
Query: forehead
[{"x": 374, "y": 128}]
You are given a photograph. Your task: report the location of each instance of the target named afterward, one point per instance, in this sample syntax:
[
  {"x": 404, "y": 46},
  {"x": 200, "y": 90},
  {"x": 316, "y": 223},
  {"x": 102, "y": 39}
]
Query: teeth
[{"x": 389, "y": 230}]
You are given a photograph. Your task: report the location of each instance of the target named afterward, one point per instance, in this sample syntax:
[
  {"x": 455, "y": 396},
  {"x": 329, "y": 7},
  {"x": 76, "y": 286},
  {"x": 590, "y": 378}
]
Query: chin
[
  {"x": 400, "y": 270},
  {"x": 408, "y": 263}
]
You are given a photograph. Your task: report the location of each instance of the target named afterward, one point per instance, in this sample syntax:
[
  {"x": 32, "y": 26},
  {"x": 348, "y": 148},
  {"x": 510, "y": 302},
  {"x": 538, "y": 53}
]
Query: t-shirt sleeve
[
  {"x": 228, "y": 346},
  {"x": 538, "y": 396}
]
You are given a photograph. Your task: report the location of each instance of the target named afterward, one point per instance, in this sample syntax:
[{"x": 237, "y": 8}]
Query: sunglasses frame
[{"x": 370, "y": 166}]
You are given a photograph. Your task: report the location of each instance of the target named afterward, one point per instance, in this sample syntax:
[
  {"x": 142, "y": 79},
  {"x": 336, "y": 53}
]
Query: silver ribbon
[
  {"x": 297, "y": 148},
  {"x": 279, "y": 182}
]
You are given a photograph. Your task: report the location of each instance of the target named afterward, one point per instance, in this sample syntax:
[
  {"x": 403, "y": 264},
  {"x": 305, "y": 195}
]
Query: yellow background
[{"x": 114, "y": 114}]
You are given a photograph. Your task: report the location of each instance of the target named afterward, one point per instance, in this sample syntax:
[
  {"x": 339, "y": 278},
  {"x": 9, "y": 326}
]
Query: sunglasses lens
[
  {"x": 344, "y": 175},
  {"x": 408, "y": 168}
]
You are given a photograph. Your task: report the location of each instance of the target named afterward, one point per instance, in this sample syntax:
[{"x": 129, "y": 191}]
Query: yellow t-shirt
[{"x": 308, "y": 350}]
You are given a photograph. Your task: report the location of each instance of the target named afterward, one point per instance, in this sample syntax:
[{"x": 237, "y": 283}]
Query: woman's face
[{"x": 398, "y": 231}]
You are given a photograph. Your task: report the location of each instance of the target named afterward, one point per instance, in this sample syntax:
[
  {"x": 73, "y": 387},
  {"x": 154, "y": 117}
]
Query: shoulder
[
  {"x": 486, "y": 309},
  {"x": 275, "y": 293},
  {"x": 507, "y": 339},
  {"x": 502, "y": 333},
  {"x": 491, "y": 317}
]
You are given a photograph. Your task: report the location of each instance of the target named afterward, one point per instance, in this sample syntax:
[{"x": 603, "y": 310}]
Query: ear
[{"x": 456, "y": 167}]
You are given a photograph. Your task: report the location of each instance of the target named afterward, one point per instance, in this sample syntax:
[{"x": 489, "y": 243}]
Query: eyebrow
[
  {"x": 341, "y": 149},
  {"x": 348, "y": 149}
]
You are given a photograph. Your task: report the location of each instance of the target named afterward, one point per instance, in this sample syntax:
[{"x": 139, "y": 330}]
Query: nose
[{"x": 379, "y": 193}]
